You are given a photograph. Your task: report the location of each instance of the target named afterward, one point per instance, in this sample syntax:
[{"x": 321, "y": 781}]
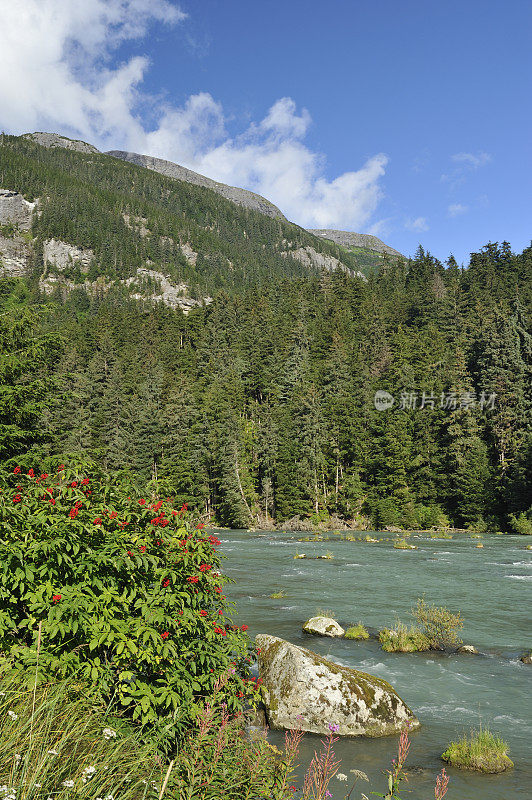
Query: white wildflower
[
  {"x": 87, "y": 773},
  {"x": 109, "y": 733},
  {"x": 108, "y": 797},
  {"x": 12, "y": 714},
  {"x": 18, "y": 757},
  {"x": 53, "y": 753},
  {"x": 68, "y": 784},
  {"x": 359, "y": 774},
  {"x": 341, "y": 776}
]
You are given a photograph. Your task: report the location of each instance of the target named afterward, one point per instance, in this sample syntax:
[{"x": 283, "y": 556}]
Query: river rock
[
  {"x": 323, "y": 626},
  {"x": 301, "y": 689},
  {"x": 526, "y": 658},
  {"x": 468, "y": 648}
]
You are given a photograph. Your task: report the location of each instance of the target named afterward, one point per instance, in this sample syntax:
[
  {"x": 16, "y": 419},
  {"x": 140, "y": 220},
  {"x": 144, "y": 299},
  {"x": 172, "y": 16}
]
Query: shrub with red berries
[{"x": 128, "y": 593}]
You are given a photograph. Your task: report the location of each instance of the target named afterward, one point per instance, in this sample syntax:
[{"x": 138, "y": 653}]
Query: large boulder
[
  {"x": 301, "y": 689},
  {"x": 323, "y": 626}
]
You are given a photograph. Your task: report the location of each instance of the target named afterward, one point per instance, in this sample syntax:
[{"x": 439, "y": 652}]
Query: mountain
[
  {"x": 353, "y": 241},
  {"x": 347, "y": 239},
  {"x": 241, "y": 197},
  {"x": 55, "y": 140},
  {"x": 76, "y": 218},
  {"x": 264, "y": 402},
  {"x": 369, "y": 251}
]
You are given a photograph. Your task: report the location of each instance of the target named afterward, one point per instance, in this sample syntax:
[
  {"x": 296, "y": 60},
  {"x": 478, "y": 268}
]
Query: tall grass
[
  {"x": 54, "y": 743},
  {"x": 401, "y": 639}
]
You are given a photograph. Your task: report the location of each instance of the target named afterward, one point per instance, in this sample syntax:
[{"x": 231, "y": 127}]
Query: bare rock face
[
  {"x": 55, "y": 140},
  {"x": 153, "y": 285},
  {"x": 352, "y": 239},
  {"x": 301, "y": 689},
  {"x": 323, "y": 626},
  {"x": 241, "y": 197},
  {"x": 311, "y": 258},
  {"x": 14, "y": 256},
  {"x": 190, "y": 254},
  {"x": 62, "y": 255},
  {"x": 15, "y": 210}
]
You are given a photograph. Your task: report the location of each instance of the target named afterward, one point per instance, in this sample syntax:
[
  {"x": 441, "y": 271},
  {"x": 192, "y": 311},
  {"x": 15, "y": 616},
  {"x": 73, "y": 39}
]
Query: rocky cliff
[
  {"x": 350, "y": 239},
  {"x": 55, "y": 140}
]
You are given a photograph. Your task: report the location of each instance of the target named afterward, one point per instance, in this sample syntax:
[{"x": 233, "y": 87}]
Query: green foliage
[
  {"x": 52, "y": 735},
  {"x": 522, "y": 523},
  {"x": 23, "y": 390},
  {"x": 483, "y": 751},
  {"x": 118, "y": 588},
  {"x": 401, "y": 639},
  {"x": 439, "y": 625},
  {"x": 357, "y": 632},
  {"x": 219, "y": 760},
  {"x": 431, "y": 516},
  {"x": 278, "y": 595}
]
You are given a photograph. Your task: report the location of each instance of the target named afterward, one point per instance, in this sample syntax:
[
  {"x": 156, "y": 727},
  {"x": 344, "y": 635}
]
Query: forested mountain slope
[
  {"x": 259, "y": 404},
  {"x": 99, "y": 220},
  {"x": 241, "y": 197}
]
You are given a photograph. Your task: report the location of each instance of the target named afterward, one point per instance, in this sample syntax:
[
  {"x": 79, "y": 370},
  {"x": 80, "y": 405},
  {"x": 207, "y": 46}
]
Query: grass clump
[
  {"x": 402, "y": 544},
  {"x": 278, "y": 595},
  {"x": 401, "y": 639},
  {"x": 357, "y": 632},
  {"x": 326, "y": 612},
  {"x": 482, "y": 751}
]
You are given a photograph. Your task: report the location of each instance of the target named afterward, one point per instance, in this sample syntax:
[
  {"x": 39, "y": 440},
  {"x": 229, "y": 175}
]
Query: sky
[{"x": 408, "y": 119}]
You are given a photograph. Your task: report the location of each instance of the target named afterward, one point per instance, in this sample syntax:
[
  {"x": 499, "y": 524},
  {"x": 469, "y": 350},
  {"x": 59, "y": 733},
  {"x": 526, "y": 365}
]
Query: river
[{"x": 375, "y": 584}]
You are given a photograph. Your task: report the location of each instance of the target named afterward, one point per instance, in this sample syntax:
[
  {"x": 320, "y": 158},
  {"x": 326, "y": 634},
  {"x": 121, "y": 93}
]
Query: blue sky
[{"x": 410, "y": 119}]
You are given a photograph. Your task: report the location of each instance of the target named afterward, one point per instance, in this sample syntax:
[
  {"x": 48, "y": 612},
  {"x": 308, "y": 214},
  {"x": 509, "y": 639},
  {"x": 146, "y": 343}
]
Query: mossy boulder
[
  {"x": 323, "y": 626},
  {"x": 301, "y": 689}
]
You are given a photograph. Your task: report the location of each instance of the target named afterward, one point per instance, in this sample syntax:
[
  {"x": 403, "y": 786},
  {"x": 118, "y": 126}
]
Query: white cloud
[
  {"x": 62, "y": 78},
  {"x": 471, "y": 159},
  {"x": 417, "y": 224},
  {"x": 455, "y": 209},
  {"x": 465, "y": 164},
  {"x": 56, "y": 54}
]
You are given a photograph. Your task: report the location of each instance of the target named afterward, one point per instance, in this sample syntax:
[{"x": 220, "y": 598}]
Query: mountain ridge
[
  {"x": 351, "y": 239},
  {"x": 242, "y": 197}
]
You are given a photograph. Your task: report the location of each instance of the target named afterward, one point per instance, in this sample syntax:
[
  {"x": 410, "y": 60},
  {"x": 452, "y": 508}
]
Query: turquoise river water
[{"x": 375, "y": 584}]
